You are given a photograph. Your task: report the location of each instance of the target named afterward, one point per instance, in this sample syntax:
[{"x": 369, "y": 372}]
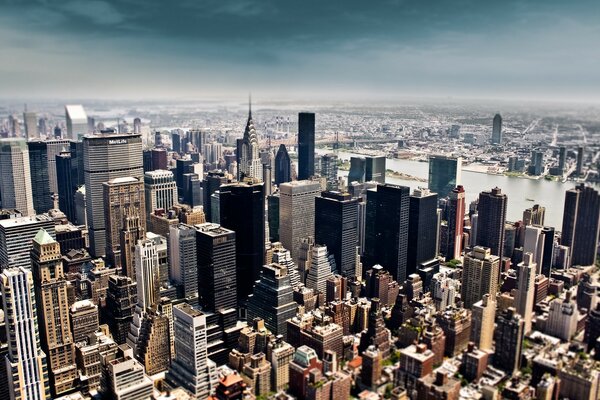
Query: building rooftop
[
  {"x": 42, "y": 237},
  {"x": 76, "y": 113}
]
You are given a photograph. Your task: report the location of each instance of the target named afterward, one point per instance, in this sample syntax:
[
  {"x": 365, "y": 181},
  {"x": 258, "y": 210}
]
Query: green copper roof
[{"x": 43, "y": 237}]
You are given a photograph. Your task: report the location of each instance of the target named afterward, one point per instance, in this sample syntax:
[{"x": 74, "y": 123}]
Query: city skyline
[{"x": 390, "y": 50}]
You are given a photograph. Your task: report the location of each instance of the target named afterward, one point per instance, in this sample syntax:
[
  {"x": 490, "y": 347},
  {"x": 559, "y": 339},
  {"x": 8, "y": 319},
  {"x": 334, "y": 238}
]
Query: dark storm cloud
[{"x": 408, "y": 46}]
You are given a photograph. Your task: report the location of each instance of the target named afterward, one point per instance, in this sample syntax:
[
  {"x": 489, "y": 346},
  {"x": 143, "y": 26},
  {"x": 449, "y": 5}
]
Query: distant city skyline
[{"x": 538, "y": 50}]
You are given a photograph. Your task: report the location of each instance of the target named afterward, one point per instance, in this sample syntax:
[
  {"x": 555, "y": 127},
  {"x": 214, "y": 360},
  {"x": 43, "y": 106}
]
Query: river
[{"x": 549, "y": 194}]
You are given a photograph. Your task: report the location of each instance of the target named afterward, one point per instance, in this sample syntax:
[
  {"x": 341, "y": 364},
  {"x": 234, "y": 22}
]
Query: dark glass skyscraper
[
  {"x": 444, "y": 174},
  {"x": 212, "y": 183},
  {"x": 40, "y": 180},
  {"x": 422, "y": 229},
  {"x": 242, "y": 209},
  {"x": 357, "y": 171},
  {"x": 580, "y": 224},
  {"x": 283, "y": 166},
  {"x": 509, "y": 335},
  {"x": 491, "y": 221},
  {"x": 66, "y": 185},
  {"x": 273, "y": 299},
  {"x": 306, "y": 145},
  {"x": 497, "y": 129},
  {"x": 387, "y": 229},
  {"x": 336, "y": 226},
  {"x": 217, "y": 281}
]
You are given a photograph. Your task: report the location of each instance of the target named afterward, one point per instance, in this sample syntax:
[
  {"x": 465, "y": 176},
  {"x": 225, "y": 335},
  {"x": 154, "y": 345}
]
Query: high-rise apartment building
[
  {"x": 26, "y": 365},
  {"x": 77, "y": 122},
  {"x": 534, "y": 215},
  {"x": 483, "y": 314},
  {"x": 123, "y": 199},
  {"x": 524, "y": 298},
  {"x": 581, "y": 224},
  {"x": 297, "y": 213},
  {"x": 217, "y": 278},
  {"x": 242, "y": 209},
  {"x": 422, "y": 228},
  {"x": 336, "y": 226},
  {"x": 283, "y": 166},
  {"x": 160, "y": 190},
  {"x": 491, "y": 220},
  {"x": 53, "y": 313},
  {"x": 497, "y": 129},
  {"x": 107, "y": 157},
  {"x": 509, "y": 334},
  {"x": 15, "y": 176},
  {"x": 191, "y": 368},
  {"x": 444, "y": 174},
  {"x": 306, "y": 145},
  {"x": 481, "y": 272}
]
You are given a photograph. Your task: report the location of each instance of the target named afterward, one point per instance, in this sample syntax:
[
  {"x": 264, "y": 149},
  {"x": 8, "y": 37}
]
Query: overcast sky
[{"x": 343, "y": 49}]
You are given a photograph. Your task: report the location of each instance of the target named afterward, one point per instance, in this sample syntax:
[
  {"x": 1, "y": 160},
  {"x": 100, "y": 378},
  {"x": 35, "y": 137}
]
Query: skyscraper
[
  {"x": 160, "y": 190},
  {"x": 16, "y": 235},
  {"x": 249, "y": 164},
  {"x": 147, "y": 273},
  {"x": 40, "y": 181},
  {"x": 509, "y": 336},
  {"x": 444, "y": 174},
  {"x": 581, "y": 225},
  {"x": 535, "y": 244},
  {"x": 77, "y": 121},
  {"x": 386, "y": 232},
  {"x": 183, "y": 259},
  {"x": 320, "y": 270},
  {"x": 15, "y": 177},
  {"x": 26, "y": 362},
  {"x": 212, "y": 183},
  {"x": 480, "y": 275},
  {"x": 534, "y": 215},
  {"x": 283, "y": 166},
  {"x": 297, "y": 213},
  {"x": 106, "y": 157},
  {"x": 482, "y": 322},
  {"x": 579, "y": 166},
  {"x": 497, "y": 129},
  {"x": 31, "y": 127},
  {"x": 329, "y": 170},
  {"x": 336, "y": 226},
  {"x": 242, "y": 209},
  {"x": 217, "y": 282},
  {"x": 123, "y": 199},
  {"x": 306, "y": 145},
  {"x": 272, "y": 299},
  {"x": 375, "y": 169},
  {"x": 121, "y": 299},
  {"x": 67, "y": 184},
  {"x": 191, "y": 368},
  {"x": 456, "y": 216},
  {"x": 53, "y": 313},
  {"x": 524, "y": 297},
  {"x": 422, "y": 228},
  {"x": 492, "y": 219},
  {"x": 357, "y": 171}
]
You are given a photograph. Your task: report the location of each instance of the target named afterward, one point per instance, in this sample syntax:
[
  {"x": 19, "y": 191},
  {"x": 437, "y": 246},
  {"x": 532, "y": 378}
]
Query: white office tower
[
  {"x": 534, "y": 244},
  {"x": 126, "y": 379},
  {"x": 161, "y": 190},
  {"x": 212, "y": 152},
  {"x": 524, "y": 298},
  {"x": 445, "y": 290},
  {"x": 147, "y": 273},
  {"x": 26, "y": 362},
  {"x": 483, "y": 315},
  {"x": 320, "y": 270},
  {"x": 562, "y": 317},
  {"x": 77, "y": 121},
  {"x": 297, "y": 213},
  {"x": 191, "y": 368},
  {"x": 31, "y": 125},
  {"x": 107, "y": 157},
  {"x": 15, "y": 177},
  {"x": 16, "y": 235},
  {"x": 283, "y": 257},
  {"x": 54, "y": 147}
]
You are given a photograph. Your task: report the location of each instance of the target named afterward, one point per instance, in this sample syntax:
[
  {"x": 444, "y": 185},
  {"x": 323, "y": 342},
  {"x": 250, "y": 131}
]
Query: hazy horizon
[{"x": 465, "y": 49}]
